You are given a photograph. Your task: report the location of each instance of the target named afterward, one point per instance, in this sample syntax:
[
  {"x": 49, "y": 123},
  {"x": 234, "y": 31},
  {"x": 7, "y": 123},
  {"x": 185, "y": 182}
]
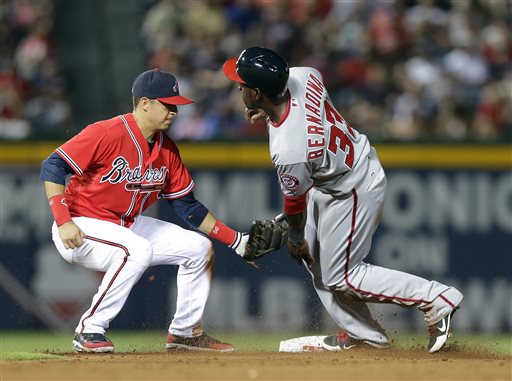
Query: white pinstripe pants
[{"x": 125, "y": 253}]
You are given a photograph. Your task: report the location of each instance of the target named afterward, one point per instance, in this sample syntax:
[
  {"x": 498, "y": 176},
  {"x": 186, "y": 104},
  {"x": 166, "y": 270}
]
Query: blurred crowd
[
  {"x": 402, "y": 70},
  {"x": 397, "y": 70},
  {"x": 33, "y": 100}
]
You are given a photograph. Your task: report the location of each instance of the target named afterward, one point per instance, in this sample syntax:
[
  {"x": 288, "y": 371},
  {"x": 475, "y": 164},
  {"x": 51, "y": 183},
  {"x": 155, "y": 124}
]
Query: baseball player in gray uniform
[{"x": 334, "y": 188}]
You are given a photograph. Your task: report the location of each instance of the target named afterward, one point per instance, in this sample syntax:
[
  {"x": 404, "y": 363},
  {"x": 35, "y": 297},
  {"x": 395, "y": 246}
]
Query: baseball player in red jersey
[
  {"x": 118, "y": 168},
  {"x": 334, "y": 187}
]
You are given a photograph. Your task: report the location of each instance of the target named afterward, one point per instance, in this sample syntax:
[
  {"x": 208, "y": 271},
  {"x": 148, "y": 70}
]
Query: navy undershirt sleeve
[
  {"x": 189, "y": 209},
  {"x": 55, "y": 169}
]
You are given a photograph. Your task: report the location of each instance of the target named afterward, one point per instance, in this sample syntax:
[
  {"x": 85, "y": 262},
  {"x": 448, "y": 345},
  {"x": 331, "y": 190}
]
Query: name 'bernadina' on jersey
[{"x": 313, "y": 146}]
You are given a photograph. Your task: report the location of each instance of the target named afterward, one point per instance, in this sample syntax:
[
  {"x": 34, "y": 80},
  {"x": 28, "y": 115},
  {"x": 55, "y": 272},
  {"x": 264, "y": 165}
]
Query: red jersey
[{"x": 116, "y": 175}]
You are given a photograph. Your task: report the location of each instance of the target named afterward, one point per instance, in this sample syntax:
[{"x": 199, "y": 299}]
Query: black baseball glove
[{"x": 265, "y": 237}]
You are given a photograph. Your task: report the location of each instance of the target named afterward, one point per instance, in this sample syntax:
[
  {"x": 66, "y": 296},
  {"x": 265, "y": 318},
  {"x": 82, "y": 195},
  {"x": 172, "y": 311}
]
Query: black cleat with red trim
[
  {"x": 197, "y": 343},
  {"x": 92, "y": 343}
]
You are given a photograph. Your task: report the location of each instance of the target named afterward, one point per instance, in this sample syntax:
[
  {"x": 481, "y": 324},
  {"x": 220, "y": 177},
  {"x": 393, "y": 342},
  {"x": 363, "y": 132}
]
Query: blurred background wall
[{"x": 428, "y": 81}]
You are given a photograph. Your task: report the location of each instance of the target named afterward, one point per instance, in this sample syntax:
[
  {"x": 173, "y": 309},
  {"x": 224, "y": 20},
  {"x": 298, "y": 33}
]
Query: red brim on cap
[
  {"x": 230, "y": 70},
  {"x": 177, "y": 100}
]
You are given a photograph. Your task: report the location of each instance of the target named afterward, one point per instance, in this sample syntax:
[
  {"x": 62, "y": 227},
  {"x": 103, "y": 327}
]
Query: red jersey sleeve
[
  {"x": 84, "y": 148},
  {"x": 180, "y": 182}
]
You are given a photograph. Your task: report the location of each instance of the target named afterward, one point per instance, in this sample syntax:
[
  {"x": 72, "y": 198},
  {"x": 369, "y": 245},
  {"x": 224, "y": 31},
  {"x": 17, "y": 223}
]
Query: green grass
[
  {"x": 30, "y": 345},
  {"x": 19, "y": 356}
]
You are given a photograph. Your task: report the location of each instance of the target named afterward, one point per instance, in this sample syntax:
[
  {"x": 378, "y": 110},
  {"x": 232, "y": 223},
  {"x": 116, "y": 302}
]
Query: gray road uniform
[{"x": 316, "y": 152}]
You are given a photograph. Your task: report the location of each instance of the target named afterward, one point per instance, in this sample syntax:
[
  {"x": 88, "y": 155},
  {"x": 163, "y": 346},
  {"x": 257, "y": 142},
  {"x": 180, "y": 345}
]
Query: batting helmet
[{"x": 260, "y": 68}]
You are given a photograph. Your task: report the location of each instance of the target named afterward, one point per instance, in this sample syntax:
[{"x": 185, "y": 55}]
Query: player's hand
[
  {"x": 71, "y": 235},
  {"x": 300, "y": 252},
  {"x": 253, "y": 115},
  {"x": 240, "y": 249}
]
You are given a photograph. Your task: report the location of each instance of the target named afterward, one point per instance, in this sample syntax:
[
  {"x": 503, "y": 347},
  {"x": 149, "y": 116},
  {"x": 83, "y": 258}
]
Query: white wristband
[{"x": 240, "y": 247}]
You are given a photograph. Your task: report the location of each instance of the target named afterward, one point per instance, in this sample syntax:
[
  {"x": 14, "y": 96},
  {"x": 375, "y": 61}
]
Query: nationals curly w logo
[{"x": 289, "y": 182}]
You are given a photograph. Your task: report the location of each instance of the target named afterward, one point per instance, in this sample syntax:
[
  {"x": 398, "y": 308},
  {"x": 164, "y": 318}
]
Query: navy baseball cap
[{"x": 160, "y": 85}]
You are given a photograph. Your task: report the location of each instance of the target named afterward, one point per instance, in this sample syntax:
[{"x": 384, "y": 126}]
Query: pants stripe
[
  {"x": 125, "y": 259},
  {"x": 447, "y": 301},
  {"x": 358, "y": 290}
]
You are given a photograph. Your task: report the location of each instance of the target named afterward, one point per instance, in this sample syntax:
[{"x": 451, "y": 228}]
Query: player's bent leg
[
  {"x": 194, "y": 254},
  {"x": 437, "y": 301},
  {"x": 123, "y": 256},
  {"x": 126, "y": 266},
  {"x": 352, "y": 317},
  {"x": 185, "y": 331},
  {"x": 193, "y": 288},
  {"x": 103, "y": 242}
]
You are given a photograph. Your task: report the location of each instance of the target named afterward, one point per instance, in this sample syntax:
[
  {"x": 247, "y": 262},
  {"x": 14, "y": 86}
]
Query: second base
[{"x": 302, "y": 344}]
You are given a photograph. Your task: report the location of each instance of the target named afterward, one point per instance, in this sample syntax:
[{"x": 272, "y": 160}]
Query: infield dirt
[{"x": 357, "y": 364}]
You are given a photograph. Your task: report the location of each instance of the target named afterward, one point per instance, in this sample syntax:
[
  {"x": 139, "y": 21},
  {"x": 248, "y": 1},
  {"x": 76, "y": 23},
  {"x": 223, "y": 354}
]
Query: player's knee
[
  {"x": 341, "y": 287},
  {"x": 209, "y": 257},
  {"x": 334, "y": 283},
  {"x": 207, "y": 250},
  {"x": 204, "y": 252},
  {"x": 141, "y": 252},
  {"x": 345, "y": 291}
]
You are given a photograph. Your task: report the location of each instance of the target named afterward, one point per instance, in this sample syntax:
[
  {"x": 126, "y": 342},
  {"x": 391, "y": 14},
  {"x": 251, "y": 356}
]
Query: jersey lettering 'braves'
[
  {"x": 121, "y": 171},
  {"x": 313, "y": 146},
  {"x": 118, "y": 177}
]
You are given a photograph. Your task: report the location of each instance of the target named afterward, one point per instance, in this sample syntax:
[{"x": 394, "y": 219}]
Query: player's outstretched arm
[
  {"x": 197, "y": 215},
  {"x": 223, "y": 233}
]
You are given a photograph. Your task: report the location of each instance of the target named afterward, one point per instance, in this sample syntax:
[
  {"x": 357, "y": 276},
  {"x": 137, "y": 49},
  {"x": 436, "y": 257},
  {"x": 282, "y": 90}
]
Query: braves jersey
[
  {"x": 313, "y": 146},
  {"x": 116, "y": 175}
]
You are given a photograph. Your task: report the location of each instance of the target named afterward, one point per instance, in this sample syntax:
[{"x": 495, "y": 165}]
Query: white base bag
[{"x": 302, "y": 344}]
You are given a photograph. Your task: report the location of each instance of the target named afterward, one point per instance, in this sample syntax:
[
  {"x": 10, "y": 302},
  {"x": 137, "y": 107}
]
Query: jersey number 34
[{"x": 338, "y": 138}]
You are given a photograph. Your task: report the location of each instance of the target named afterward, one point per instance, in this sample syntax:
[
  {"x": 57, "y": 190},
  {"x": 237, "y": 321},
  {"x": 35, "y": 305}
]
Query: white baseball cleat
[{"x": 440, "y": 332}]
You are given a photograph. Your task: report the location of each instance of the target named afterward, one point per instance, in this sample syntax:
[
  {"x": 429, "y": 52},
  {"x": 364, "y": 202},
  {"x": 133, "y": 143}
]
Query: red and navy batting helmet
[{"x": 260, "y": 68}]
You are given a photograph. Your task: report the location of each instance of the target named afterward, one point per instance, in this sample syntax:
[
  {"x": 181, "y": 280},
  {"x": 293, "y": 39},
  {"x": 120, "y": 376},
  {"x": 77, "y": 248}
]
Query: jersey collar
[
  {"x": 286, "y": 112},
  {"x": 141, "y": 141}
]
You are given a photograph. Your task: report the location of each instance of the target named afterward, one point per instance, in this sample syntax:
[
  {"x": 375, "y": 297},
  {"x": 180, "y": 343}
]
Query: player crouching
[{"x": 118, "y": 168}]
